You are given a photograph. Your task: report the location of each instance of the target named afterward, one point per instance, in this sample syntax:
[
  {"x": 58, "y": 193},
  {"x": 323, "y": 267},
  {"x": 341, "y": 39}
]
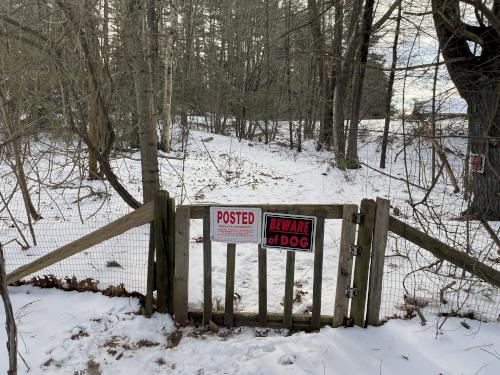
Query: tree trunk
[
  {"x": 352, "y": 161},
  {"x": 345, "y": 74},
  {"x": 268, "y": 77},
  {"x": 186, "y": 69},
  {"x": 288, "y": 72},
  {"x": 98, "y": 132},
  {"x": 477, "y": 81},
  {"x": 319, "y": 46},
  {"x": 143, "y": 94},
  {"x": 339, "y": 95},
  {"x": 484, "y": 138},
  {"x": 390, "y": 85},
  {"x": 167, "y": 100},
  {"x": 153, "y": 53}
]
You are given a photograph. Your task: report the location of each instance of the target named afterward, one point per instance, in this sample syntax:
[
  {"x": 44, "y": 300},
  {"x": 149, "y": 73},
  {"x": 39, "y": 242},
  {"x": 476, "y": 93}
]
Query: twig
[
  {"x": 492, "y": 234},
  {"x": 212, "y": 160},
  {"x": 396, "y": 178},
  {"x": 477, "y": 346}
]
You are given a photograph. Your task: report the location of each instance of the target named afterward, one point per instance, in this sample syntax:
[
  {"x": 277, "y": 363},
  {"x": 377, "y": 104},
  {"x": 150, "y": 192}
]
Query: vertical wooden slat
[
  {"x": 318, "y": 270},
  {"x": 289, "y": 280},
  {"x": 344, "y": 271},
  {"x": 148, "y": 308},
  {"x": 161, "y": 202},
  {"x": 230, "y": 270},
  {"x": 182, "y": 223},
  {"x": 170, "y": 230},
  {"x": 262, "y": 254},
  {"x": 262, "y": 272},
  {"x": 379, "y": 244},
  {"x": 207, "y": 268},
  {"x": 361, "y": 265}
]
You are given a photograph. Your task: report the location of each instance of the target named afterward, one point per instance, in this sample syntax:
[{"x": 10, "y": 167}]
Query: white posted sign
[{"x": 235, "y": 224}]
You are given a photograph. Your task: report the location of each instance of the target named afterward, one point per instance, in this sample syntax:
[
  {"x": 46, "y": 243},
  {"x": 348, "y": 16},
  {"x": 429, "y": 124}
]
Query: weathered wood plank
[
  {"x": 299, "y": 321},
  {"x": 289, "y": 280},
  {"x": 362, "y": 262},
  {"x": 141, "y": 216},
  {"x": 318, "y": 270},
  {"x": 262, "y": 264},
  {"x": 171, "y": 253},
  {"x": 207, "y": 267},
  {"x": 379, "y": 245},
  {"x": 230, "y": 270},
  {"x": 161, "y": 250},
  {"x": 332, "y": 211},
  {"x": 344, "y": 270},
  {"x": 182, "y": 224},
  {"x": 150, "y": 278},
  {"x": 443, "y": 251}
]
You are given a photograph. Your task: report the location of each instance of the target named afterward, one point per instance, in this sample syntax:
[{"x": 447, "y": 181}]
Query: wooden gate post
[
  {"x": 262, "y": 273},
  {"x": 318, "y": 270},
  {"x": 289, "y": 280},
  {"x": 380, "y": 232},
  {"x": 344, "y": 272},
  {"x": 161, "y": 239},
  {"x": 229, "y": 301},
  {"x": 362, "y": 262},
  {"x": 170, "y": 254},
  {"x": 207, "y": 268},
  {"x": 150, "y": 281},
  {"x": 262, "y": 265},
  {"x": 182, "y": 223}
]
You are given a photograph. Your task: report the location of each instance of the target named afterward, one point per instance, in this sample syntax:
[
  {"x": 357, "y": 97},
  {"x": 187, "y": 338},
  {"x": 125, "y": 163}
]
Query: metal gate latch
[
  {"x": 351, "y": 292},
  {"x": 355, "y": 250},
  {"x": 357, "y": 217}
]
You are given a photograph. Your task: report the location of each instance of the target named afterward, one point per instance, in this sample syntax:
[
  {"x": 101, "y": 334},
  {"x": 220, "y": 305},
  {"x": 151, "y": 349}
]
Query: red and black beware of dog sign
[{"x": 288, "y": 232}]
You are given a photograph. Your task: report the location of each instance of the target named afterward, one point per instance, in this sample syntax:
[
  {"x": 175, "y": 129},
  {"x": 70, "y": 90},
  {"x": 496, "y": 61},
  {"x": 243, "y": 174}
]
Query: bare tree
[
  {"x": 144, "y": 99},
  {"x": 476, "y": 77},
  {"x": 169, "y": 59},
  {"x": 339, "y": 95},
  {"x": 319, "y": 48},
  {"x": 390, "y": 85},
  {"x": 352, "y": 144}
]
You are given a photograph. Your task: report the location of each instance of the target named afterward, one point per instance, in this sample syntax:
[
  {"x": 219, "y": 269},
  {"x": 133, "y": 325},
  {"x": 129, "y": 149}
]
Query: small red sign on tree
[{"x": 476, "y": 163}]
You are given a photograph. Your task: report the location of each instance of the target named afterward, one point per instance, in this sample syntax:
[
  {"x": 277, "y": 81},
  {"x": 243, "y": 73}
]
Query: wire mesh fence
[
  {"x": 120, "y": 260},
  {"x": 70, "y": 207},
  {"x": 415, "y": 279}
]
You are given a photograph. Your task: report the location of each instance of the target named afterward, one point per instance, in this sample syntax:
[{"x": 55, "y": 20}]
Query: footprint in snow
[{"x": 287, "y": 360}]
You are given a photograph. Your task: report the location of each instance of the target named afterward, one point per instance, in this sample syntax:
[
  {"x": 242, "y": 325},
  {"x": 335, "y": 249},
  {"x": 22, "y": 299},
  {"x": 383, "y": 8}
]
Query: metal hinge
[
  {"x": 357, "y": 218},
  {"x": 351, "y": 292},
  {"x": 355, "y": 250}
]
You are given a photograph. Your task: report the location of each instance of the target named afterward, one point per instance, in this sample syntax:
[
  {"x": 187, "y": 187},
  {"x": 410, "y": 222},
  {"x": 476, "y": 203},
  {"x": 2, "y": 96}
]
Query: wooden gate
[{"x": 360, "y": 264}]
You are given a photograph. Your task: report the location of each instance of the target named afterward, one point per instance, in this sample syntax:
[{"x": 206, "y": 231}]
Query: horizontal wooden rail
[
  {"x": 443, "y": 251},
  {"x": 141, "y": 216},
  {"x": 274, "y": 320},
  {"x": 332, "y": 211}
]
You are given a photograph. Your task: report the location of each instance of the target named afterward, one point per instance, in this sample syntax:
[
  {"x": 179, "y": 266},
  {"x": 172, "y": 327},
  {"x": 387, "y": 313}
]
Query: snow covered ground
[{"x": 86, "y": 333}]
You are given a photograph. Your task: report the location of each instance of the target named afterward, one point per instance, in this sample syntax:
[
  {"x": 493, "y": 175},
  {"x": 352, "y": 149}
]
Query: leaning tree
[{"x": 469, "y": 38}]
